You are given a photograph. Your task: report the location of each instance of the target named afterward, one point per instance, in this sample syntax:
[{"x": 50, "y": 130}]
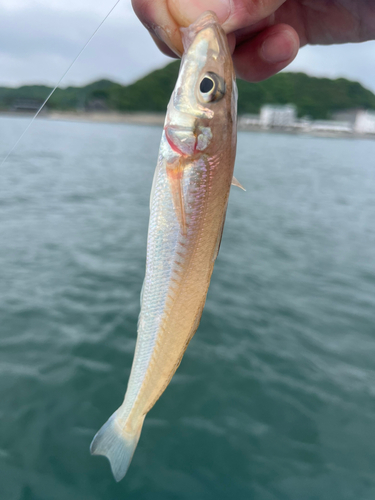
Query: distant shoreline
[
  {"x": 157, "y": 119},
  {"x": 94, "y": 117}
]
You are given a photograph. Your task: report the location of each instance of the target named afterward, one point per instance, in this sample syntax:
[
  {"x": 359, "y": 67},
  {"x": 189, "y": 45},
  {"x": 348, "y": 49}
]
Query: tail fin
[{"x": 116, "y": 445}]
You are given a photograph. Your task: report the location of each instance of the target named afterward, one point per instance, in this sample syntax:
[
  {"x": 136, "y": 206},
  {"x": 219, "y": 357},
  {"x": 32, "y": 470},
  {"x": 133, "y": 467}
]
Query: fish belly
[{"x": 178, "y": 272}]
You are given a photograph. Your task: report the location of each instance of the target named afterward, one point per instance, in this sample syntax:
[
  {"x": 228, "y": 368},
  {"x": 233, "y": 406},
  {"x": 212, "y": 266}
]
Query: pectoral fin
[{"x": 235, "y": 182}]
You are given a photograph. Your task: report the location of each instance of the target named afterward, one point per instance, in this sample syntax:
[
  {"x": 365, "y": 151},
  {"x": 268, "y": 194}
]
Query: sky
[{"x": 40, "y": 38}]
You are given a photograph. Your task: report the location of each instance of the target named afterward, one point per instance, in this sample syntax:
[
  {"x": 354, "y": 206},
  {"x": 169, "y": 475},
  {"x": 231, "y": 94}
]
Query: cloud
[
  {"x": 38, "y": 42},
  {"x": 99, "y": 7},
  {"x": 352, "y": 61},
  {"x": 39, "y": 39}
]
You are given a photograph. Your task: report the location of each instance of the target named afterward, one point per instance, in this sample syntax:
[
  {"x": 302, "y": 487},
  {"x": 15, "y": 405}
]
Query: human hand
[{"x": 264, "y": 35}]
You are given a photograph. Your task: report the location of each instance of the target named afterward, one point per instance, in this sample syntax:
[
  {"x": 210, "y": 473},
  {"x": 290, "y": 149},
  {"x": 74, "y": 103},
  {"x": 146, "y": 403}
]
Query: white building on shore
[
  {"x": 284, "y": 118},
  {"x": 278, "y": 116},
  {"x": 365, "y": 122}
]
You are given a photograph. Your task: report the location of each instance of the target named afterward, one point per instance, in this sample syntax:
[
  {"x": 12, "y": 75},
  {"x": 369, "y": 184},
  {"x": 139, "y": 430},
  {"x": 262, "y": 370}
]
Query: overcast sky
[{"x": 40, "y": 38}]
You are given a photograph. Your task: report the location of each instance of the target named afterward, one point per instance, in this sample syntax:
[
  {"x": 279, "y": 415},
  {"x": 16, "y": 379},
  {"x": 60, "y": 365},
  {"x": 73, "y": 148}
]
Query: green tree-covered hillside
[{"x": 316, "y": 97}]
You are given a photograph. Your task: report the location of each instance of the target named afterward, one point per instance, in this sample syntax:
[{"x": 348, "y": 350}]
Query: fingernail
[
  {"x": 278, "y": 47},
  {"x": 187, "y": 11}
]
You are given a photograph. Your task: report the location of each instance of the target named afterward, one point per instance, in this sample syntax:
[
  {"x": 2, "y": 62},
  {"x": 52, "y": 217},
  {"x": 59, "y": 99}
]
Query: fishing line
[{"x": 58, "y": 83}]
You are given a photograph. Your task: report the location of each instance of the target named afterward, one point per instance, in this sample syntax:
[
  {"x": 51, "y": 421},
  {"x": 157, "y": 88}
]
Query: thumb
[
  {"x": 233, "y": 15},
  {"x": 186, "y": 12},
  {"x": 163, "y": 18}
]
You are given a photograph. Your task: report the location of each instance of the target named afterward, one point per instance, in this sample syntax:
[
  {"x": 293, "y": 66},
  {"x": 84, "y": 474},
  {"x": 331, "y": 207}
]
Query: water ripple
[{"x": 274, "y": 398}]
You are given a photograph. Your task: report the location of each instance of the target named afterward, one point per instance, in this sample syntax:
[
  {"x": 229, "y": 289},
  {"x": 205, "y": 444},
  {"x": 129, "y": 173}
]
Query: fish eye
[
  {"x": 207, "y": 84},
  {"x": 211, "y": 87}
]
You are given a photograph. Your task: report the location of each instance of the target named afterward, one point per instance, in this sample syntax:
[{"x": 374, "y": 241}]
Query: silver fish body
[{"x": 187, "y": 211}]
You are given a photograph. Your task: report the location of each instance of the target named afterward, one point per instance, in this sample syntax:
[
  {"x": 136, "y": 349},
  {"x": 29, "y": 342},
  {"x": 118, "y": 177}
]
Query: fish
[{"x": 188, "y": 204}]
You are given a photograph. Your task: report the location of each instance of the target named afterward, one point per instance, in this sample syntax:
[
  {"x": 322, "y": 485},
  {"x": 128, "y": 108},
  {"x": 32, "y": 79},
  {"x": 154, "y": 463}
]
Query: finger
[
  {"x": 186, "y": 12},
  {"x": 244, "y": 34},
  {"x": 155, "y": 16},
  {"x": 165, "y": 17},
  {"x": 232, "y": 14},
  {"x": 267, "y": 53},
  {"x": 163, "y": 47}
]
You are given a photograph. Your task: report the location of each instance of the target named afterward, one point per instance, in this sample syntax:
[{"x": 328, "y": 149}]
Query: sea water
[{"x": 275, "y": 396}]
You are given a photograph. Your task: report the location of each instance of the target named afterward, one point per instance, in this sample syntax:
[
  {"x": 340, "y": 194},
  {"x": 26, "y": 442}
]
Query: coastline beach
[{"x": 157, "y": 119}]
